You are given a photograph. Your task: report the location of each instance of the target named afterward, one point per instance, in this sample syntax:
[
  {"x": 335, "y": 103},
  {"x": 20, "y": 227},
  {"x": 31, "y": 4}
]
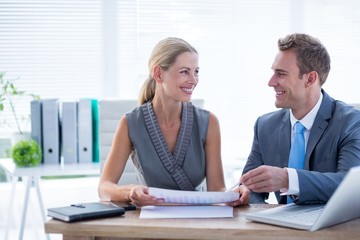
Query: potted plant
[
  {"x": 9, "y": 95},
  {"x": 26, "y": 153},
  {"x": 23, "y": 150}
]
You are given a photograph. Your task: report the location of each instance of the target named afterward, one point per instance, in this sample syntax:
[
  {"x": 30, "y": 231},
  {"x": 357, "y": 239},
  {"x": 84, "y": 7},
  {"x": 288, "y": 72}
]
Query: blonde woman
[{"x": 173, "y": 144}]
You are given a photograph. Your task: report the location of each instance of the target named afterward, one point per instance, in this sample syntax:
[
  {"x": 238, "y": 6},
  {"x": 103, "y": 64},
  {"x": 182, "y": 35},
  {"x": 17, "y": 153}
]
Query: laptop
[{"x": 343, "y": 206}]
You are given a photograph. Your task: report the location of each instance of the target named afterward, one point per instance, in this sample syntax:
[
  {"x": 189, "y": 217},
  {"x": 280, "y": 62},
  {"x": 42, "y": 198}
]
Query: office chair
[{"x": 110, "y": 112}]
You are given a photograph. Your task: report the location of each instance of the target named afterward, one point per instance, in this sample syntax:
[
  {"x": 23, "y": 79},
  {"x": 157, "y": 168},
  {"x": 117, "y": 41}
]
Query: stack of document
[
  {"x": 190, "y": 204},
  {"x": 193, "y": 197}
]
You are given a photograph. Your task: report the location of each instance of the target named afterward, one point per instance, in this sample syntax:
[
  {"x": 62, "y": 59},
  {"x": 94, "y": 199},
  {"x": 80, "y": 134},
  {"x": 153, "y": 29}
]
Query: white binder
[
  {"x": 85, "y": 131},
  {"x": 51, "y": 131},
  {"x": 69, "y": 133},
  {"x": 36, "y": 122}
]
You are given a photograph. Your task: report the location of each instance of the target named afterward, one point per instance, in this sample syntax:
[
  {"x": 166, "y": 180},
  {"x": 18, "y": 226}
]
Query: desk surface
[
  {"x": 50, "y": 169},
  {"x": 130, "y": 226}
]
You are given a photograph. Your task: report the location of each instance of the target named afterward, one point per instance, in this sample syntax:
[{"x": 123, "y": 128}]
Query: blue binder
[
  {"x": 85, "y": 131},
  {"x": 36, "y": 122},
  {"x": 69, "y": 133},
  {"x": 51, "y": 131}
]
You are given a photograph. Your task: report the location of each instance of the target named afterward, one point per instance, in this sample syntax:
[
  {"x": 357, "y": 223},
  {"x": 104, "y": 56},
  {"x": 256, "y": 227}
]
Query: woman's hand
[
  {"x": 244, "y": 196},
  {"x": 139, "y": 195}
]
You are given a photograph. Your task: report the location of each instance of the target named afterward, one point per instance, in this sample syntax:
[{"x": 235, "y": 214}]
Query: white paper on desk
[
  {"x": 186, "y": 212},
  {"x": 193, "y": 197}
]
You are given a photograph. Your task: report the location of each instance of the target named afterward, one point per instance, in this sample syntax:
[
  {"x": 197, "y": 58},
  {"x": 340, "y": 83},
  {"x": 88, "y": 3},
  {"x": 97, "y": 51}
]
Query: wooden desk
[
  {"x": 130, "y": 226},
  {"x": 33, "y": 175}
]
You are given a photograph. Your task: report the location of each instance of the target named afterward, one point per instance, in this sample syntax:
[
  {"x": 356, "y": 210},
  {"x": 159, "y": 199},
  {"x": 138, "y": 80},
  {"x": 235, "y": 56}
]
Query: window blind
[
  {"x": 60, "y": 48},
  {"x": 237, "y": 43},
  {"x": 52, "y": 48}
]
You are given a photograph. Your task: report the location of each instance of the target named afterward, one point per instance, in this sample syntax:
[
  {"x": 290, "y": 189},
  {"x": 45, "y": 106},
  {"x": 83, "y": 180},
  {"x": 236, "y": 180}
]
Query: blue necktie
[{"x": 297, "y": 151}]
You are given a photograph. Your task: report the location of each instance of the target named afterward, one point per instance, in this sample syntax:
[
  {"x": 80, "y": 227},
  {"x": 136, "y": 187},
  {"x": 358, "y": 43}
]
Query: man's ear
[
  {"x": 311, "y": 78},
  {"x": 158, "y": 74}
]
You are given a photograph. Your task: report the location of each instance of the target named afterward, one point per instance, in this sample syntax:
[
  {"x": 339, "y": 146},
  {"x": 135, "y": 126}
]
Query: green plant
[
  {"x": 26, "y": 153},
  {"x": 8, "y": 92}
]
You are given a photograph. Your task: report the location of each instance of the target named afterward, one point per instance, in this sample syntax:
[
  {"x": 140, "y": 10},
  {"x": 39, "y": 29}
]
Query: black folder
[{"x": 83, "y": 211}]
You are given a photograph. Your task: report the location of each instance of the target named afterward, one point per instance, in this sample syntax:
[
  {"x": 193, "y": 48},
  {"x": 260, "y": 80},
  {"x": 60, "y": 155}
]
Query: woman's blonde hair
[{"x": 164, "y": 55}]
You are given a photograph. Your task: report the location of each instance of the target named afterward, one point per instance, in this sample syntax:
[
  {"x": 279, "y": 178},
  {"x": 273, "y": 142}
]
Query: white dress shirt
[{"x": 307, "y": 122}]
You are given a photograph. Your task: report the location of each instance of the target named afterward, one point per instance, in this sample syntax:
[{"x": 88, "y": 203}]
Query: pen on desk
[{"x": 234, "y": 186}]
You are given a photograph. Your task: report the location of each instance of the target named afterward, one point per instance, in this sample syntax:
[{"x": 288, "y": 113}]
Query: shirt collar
[{"x": 309, "y": 118}]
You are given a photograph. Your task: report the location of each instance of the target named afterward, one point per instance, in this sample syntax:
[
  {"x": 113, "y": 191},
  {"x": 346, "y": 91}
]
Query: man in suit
[{"x": 332, "y": 129}]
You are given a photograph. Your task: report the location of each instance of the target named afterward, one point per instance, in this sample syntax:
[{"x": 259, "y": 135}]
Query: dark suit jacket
[{"x": 333, "y": 148}]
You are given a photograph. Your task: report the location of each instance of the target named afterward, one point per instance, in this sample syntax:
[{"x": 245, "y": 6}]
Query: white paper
[
  {"x": 186, "y": 212},
  {"x": 193, "y": 197}
]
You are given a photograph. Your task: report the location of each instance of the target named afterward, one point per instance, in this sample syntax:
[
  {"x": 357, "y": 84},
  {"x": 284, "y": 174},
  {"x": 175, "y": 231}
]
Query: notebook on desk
[
  {"x": 343, "y": 206},
  {"x": 83, "y": 211}
]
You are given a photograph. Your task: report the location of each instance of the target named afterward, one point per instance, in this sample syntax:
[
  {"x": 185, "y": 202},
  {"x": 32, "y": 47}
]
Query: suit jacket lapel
[
  {"x": 285, "y": 139},
  {"x": 320, "y": 124}
]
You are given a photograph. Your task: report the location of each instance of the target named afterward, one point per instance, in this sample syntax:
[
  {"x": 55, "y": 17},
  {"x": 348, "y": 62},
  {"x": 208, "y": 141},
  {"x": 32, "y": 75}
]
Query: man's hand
[{"x": 266, "y": 179}]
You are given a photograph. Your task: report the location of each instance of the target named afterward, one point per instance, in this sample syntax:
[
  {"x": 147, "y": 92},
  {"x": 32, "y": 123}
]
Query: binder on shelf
[
  {"x": 85, "y": 131},
  {"x": 51, "y": 131},
  {"x": 95, "y": 120},
  {"x": 69, "y": 134},
  {"x": 36, "y": 122}
]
